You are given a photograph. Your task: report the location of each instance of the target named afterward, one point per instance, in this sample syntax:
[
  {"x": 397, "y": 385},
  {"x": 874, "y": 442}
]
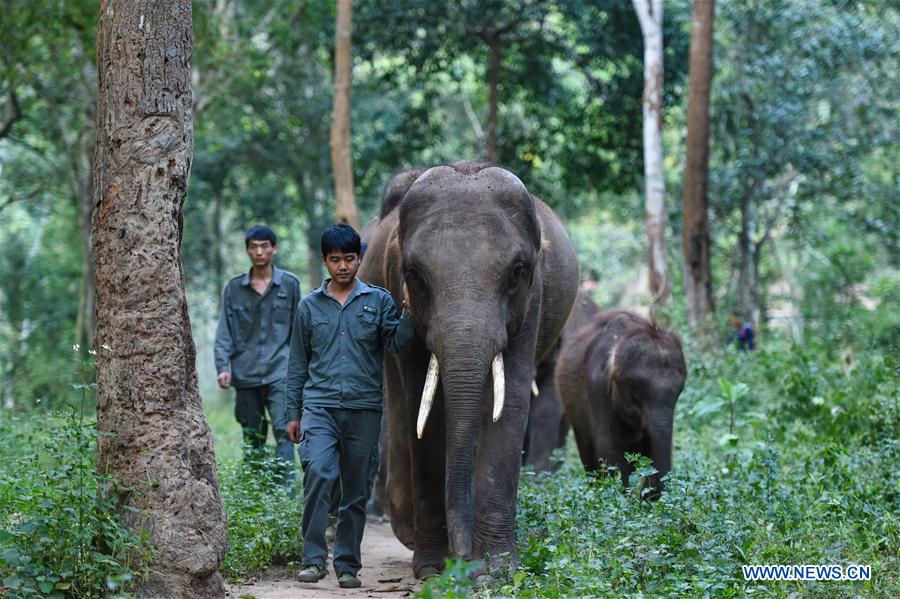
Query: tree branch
[{"x": 14, "y": 114}]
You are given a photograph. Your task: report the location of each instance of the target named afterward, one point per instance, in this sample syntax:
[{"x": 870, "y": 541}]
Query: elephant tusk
[
  {"x": 427, "y": 395},
  {"x": 499, "y": 385},
  {"x": 534, "y": 388}
]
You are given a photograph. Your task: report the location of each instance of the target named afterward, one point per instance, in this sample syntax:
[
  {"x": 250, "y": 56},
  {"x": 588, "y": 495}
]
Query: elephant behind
[
  {"x": 619, "y": 377},
  {"x": 547, "y": 424},
  {"x": 492, "y": 277}
]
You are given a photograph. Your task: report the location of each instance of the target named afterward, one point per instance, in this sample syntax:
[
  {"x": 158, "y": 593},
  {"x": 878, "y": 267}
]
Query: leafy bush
[
  {"x": 263, "y": 516},
  {"x": 59, "y": 535}
]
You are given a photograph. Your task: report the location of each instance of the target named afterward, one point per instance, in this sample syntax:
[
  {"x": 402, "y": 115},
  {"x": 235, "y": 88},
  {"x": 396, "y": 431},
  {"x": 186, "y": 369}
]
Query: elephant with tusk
[{"x": 492, "y": 277}]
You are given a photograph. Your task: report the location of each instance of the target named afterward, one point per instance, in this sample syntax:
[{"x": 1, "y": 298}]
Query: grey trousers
[
  {"x": 337, "y": 444},
  {"x": 250, "y": 407}
]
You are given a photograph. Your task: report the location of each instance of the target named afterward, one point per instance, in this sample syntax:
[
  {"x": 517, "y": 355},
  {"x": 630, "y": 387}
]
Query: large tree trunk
[
  {"x": 697, "y": 274},
  {"x": 154, "y": 438},
  {"x": 340, "y": 120},
  {"x": 650, "y": 15}
]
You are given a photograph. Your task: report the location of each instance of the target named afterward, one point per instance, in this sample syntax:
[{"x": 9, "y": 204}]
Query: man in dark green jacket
[
  {"x": 335, "y": 383},
  {"x": 253, "y": 343}
]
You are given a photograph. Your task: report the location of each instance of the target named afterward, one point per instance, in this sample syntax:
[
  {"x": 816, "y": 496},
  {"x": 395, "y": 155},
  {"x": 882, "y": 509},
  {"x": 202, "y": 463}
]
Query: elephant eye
[
  {"x": 517, "y": 274},
  {"x": 412, "y": 276}
]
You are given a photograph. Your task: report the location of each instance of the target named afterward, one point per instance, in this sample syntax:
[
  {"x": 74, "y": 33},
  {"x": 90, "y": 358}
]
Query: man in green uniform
[
  {"x": 253, "y": 343},
  {"x": 335, "y": 383}
]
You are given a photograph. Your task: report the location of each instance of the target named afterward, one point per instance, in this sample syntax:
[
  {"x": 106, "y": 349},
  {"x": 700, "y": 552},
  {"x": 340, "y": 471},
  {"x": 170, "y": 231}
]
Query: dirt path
[{"x": 386, "y": 572}]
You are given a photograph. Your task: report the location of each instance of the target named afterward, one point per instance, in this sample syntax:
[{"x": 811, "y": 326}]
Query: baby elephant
[{"x": 619, "y": 377}]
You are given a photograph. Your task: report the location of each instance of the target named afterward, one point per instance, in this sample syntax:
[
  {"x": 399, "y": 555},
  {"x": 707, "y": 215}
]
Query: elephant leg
[
  {"x": 395, "y": 474},
  {"x": 544, "y": 421},
  {"x": 498, "y": 467}
]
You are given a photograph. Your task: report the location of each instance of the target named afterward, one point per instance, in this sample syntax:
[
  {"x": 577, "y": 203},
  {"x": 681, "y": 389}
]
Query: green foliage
[
  {"x": 455, "y": 582},
  {"x": 60, "y": 535},
  {"x": 263, "y": 517}
]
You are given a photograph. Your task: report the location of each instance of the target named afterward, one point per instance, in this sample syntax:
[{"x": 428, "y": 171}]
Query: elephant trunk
[
  {"x": 463, "y": 382},
  {"x": 466, "y": 353},
  {"x": 659, "y": 447}
]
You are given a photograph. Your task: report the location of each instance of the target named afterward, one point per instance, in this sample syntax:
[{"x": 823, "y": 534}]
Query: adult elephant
[
  {"x": 547, "y": 425},
  {"x": 492, "y": 277},
  {"x": 619, "y": 377}
]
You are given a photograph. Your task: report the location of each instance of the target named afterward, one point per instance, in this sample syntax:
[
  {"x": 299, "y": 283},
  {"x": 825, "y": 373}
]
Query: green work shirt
[
  {"x": 337, "y": 351},
  {"x": 254, "y": 335}
]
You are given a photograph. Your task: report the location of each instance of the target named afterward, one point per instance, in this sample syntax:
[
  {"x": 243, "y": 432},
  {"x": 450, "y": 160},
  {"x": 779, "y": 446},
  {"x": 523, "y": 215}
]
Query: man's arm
[
  {"x": 397, "y": 332},
  {"x": 224, "y": 344},
  {"x": 298, "y": 372}
]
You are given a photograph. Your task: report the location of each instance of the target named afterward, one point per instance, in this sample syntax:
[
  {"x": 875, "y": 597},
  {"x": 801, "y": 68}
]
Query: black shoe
[
  {"x": 311, "y": 573},
  {"x": 348, "y": 581}
]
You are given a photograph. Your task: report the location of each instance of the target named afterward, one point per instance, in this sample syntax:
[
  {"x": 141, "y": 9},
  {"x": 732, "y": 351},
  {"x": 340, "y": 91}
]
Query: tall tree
[
  {"x": 697, "y": 272},
  {"x": 154, "y": 438},
  {"x": 340, "y": 119},
  {"x": 650, "y": 15}
]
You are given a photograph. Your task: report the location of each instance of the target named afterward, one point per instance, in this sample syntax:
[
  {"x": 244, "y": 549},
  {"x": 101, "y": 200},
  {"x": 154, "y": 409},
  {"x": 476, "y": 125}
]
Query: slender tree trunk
[
  {"x": 340, "y": 120},
  {"x": 86, "y": 319},
  {"x": 650, "y": 15},
  {"x": 494, "y": 82},
  {"x": 218, "y": 261},
  {"x": 80, "y": 148},
  {"x": 697, "y": 273},
  {"x": 154, "y": 438},
  {"x": 746, "y": 291}
]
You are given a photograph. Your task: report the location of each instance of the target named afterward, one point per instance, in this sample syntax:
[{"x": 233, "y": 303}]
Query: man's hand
[
  {"x": 293, "y": 431},
  {"x": 224, "y": 380},
  {"x": 406, "y": 303}
]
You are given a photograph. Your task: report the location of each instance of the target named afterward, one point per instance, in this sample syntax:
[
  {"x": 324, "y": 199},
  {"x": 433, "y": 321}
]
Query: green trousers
[{"x": 337, "y": 443}]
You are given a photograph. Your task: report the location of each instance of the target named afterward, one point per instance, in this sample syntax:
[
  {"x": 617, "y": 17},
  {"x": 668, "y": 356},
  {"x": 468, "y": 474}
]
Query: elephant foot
[
  {"x": 428, "y": 563},
  {"x": 427, "y": 571}
]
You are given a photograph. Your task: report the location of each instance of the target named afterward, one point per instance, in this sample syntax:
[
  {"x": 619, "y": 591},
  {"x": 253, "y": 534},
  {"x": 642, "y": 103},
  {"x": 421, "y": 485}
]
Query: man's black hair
[
  {"x": 341, "y": 238},
  {"x": 260, "y": 233}
]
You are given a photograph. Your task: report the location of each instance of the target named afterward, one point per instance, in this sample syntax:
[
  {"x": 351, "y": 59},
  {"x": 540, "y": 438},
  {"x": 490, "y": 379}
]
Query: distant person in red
[{"x": 743, "y": 332}]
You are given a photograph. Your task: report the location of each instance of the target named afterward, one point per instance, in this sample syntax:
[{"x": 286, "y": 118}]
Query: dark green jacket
[
  {"x": 254, "y": 335},
  {"x": 337, "y": 351}
]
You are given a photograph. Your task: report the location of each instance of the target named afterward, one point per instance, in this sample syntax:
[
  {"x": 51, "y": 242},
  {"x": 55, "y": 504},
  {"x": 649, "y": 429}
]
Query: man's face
[
  {"x": 342, "y": 267},
  {"x": 261, "y": 252}
]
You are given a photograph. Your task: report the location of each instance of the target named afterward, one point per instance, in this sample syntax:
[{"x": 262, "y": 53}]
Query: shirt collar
[
  {"x": 277, "y": 276},
  {"x": 361, "y": 288}
]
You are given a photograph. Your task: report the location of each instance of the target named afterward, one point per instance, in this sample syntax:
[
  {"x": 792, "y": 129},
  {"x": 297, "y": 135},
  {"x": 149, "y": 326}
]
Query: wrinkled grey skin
[
  {"x": 619, "y": 378},
  {"x": 467, "y": 240},
  {"x": 547, "y": 425}
]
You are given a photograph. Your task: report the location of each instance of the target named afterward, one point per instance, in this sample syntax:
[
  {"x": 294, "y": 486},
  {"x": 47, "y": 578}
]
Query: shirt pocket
[
  {"x": 319, "y": 331},
  {"x": 244, "y": 317},
  {"x": 368, "y": 321},
  {"x": 281, "y": 310}
]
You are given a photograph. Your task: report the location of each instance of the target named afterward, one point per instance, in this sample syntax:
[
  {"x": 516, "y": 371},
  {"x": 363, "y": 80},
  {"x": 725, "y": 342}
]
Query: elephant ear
[{"x": 396, "y": 189}]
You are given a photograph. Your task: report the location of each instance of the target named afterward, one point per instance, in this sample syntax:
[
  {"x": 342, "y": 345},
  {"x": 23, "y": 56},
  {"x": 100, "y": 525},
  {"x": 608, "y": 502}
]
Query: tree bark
[
  {"x": 494, "y": 48},
  {"x": 650, "y": 15},
  {"x": 697, "y": 273},
  {"x": 154, "y": 438},
  {"x": 345, "y": 201}
]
